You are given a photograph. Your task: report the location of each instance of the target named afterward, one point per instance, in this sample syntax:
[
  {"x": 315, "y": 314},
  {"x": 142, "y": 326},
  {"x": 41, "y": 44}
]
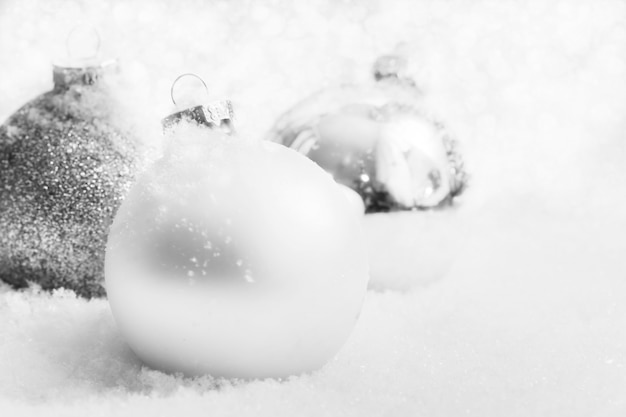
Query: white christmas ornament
[{"x": 234, "y": 258}]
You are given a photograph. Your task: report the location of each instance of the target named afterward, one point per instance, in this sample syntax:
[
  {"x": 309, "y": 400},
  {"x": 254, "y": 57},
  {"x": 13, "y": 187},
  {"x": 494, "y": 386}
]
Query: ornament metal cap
[
  {"x": 84, "y": 67},
  {"x": 65, "y": 76},
  {"x": 392, "y": 67},
  {"x": 217, "y": 114}
]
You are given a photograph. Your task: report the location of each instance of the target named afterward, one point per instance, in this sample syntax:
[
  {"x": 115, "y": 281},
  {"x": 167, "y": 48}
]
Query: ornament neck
[
  {"x": 66, "y": 76},
  {"x": 392, "y": 68},
  {"x": 215, "y": 115}
]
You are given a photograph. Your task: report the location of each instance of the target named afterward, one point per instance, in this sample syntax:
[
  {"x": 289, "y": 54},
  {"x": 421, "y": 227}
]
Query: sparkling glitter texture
[
  {"x": 378, "y": 140},
  {"x": 65, "y": 166}
]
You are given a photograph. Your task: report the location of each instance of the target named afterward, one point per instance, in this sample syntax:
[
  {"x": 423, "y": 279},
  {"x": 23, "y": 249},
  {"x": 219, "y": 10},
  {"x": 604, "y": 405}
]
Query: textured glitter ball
[{"x": 65, "y": 166}]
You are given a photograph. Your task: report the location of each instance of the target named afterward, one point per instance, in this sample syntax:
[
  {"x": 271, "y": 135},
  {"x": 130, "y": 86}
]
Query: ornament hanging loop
[
  {"x": 83, "y": 42},
  {"x": 84, "y": 65},
  {"x": 216, "y": 114},
  {"x": 189, "y": 74}
]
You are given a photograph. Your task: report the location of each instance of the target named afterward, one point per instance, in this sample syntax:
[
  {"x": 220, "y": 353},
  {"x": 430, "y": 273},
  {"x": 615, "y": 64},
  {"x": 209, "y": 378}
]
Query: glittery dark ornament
[
  {"x": 65, "y": 164},
  {"x": 379, "y": 140}
]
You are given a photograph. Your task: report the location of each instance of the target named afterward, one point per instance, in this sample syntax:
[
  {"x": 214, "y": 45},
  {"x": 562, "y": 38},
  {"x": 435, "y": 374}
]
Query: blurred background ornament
[
  {"x": 232, "y": 257},
  {"x": 67, "y": 158},
  {"x": 378, "y": 140},
  {"x": 382, "y": 141}
]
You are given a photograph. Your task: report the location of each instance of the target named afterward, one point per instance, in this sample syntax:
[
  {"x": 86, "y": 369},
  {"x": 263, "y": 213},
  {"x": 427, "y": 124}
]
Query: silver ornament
[
  {"x": 65, "y": 166},
  {"x": 379, "y": 140}
]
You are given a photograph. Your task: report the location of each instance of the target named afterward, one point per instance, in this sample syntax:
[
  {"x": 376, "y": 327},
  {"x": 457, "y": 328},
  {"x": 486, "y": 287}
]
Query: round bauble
[
  {"x": 382, "y": 141},
  {"x": 66, "y": 161},
  {"x": 235, "y": 258}
]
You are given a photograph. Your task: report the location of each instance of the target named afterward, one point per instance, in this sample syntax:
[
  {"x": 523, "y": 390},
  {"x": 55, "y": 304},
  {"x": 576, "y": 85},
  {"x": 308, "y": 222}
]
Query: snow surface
[{"x": 526, "y": 316}]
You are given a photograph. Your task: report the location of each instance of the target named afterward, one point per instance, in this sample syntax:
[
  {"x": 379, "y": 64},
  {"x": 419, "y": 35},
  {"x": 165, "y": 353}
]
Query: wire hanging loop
[
  {"x": 189, "y": 74},
  {"x": 83, "y": 42}
]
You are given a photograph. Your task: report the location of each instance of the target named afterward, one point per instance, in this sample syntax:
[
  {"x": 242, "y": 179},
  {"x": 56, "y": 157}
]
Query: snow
[{"x": 525, "y": 313}]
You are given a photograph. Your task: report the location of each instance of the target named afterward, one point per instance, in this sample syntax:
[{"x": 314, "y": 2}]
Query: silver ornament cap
[
  {"x": 217, "y": 114},
  {"x": 392, "y": 67},
  {"x": 63, "y": 77},
  {"x": 83, "y": 65}
]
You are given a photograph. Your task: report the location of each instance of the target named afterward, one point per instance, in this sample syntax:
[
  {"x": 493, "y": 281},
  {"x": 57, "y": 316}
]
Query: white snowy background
[{"x": 528, "y": 314}]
